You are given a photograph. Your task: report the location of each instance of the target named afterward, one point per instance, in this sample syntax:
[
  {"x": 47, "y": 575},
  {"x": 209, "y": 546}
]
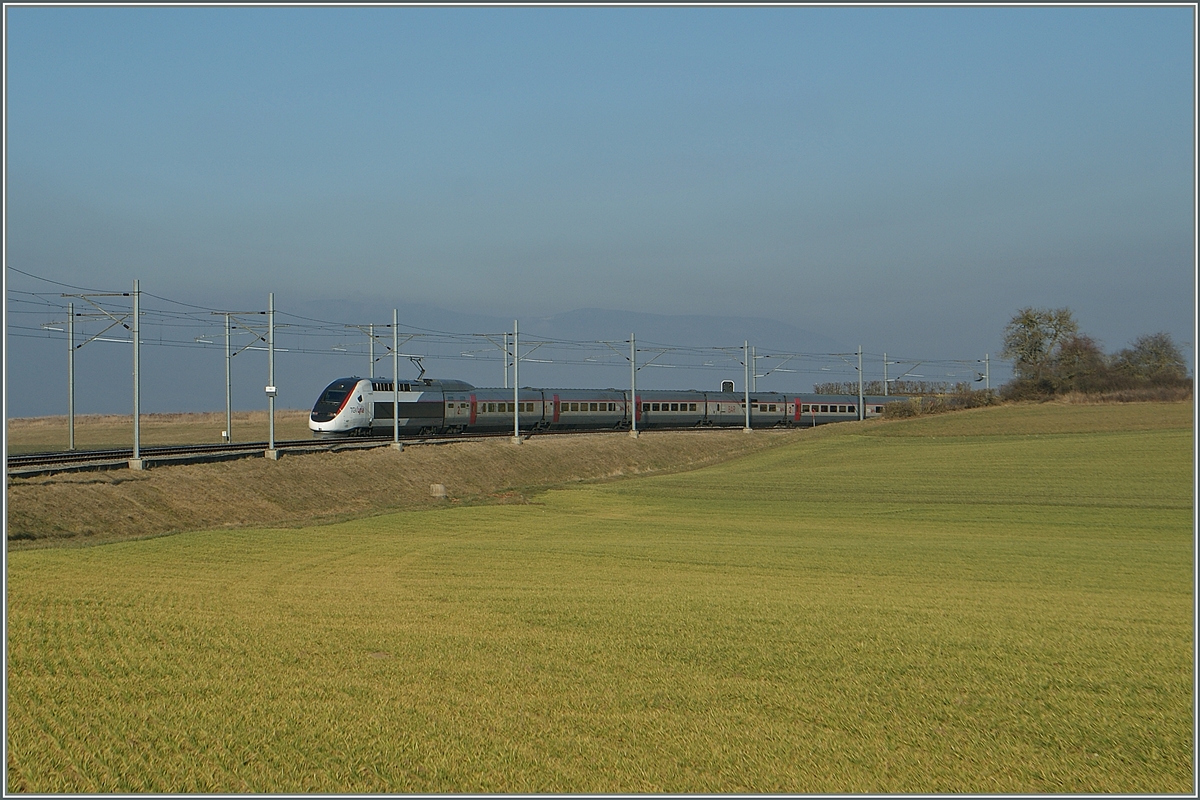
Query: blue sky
[{"x": 900, "y": 178}]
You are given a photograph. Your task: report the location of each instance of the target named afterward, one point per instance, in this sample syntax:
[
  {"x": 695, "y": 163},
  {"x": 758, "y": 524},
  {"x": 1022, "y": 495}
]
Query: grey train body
[{"x": 363, "y": 407}]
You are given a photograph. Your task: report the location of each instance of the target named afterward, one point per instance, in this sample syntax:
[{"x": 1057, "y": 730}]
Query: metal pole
[
  {"x": 746, "y": 358},
  {"x": 633, "y": 403},
  {"x": 228, "y": 392},
  {"x": 371, "y": 353},
  {"x": 70, "y": 376},
  {"x": 395, "y": 383},
  {"x": 271, "y": 364},
  {"x": 516, "y": 385},
  {"x": 137, "y": 428},
  {"x": 753, "y": 371},
  {"x": 505, "y": 348},
  {"x": 987, "y": 371},
  {"x": 861, "y": 411},
  {"x": 885, "y": 393}
]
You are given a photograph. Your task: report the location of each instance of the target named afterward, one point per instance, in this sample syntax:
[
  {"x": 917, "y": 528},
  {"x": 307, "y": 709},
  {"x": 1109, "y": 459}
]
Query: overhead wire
[{"x": 559, "y": 351}]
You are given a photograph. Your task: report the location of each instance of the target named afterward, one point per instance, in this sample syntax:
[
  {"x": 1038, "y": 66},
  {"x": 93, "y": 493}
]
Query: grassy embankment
[
  {"x": 991, "y": 601},
  {"x": 112, "y": 505},
  {"x": 111, "y": 431}
]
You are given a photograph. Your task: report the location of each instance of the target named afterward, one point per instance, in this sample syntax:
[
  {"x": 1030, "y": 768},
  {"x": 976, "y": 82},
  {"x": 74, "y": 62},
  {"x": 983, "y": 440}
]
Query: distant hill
[
  {"x": 184, "y": 376},
  {"x": 589, "y": 324}
]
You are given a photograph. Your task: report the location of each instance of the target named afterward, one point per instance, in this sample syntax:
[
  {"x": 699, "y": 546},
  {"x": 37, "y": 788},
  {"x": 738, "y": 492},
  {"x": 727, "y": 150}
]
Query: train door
[{"x": 457, "y": 411}]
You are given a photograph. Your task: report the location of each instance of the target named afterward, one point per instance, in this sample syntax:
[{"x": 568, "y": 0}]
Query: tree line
[
  {"x": 1051, "y": 357},
  {"x": 906, "y": 388}
]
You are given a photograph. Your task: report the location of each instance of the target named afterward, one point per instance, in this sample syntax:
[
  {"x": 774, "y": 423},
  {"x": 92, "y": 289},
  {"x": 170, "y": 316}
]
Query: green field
[
  {"x": 105, "y": 432},
  {"x": 998, "y": 600}
]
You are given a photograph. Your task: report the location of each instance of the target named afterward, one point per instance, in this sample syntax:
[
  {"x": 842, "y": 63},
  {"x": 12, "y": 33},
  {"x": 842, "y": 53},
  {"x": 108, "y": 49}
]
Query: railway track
[
  {"x": 41, "y": 463},
  {"x": 29, "y": 464}
]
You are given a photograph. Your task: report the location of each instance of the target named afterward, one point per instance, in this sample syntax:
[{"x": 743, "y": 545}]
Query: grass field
[
  {"x": 105, "y": 432},
  {"x": 112, "y": 505},
  {"x": 997, "y": 600}
]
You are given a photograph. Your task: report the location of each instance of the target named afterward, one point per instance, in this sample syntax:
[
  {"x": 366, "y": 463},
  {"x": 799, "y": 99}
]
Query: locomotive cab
[{"x": 341, "y": 409}]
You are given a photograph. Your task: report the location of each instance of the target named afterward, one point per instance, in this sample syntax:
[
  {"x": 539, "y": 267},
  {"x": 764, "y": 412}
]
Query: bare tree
[
  {"x": 1080, "y": 365},
  {"x": 1154, "y": 358},
  {"x": 1032, "y": 338}
]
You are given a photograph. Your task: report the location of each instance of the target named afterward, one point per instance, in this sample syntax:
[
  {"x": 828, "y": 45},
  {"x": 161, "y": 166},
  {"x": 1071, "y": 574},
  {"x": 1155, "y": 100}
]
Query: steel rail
[{"x": 49, "y": 462}]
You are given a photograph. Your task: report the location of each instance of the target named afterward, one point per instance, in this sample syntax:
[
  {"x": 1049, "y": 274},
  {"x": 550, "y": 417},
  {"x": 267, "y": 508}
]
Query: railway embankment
[{"x": 72, "y": 509}]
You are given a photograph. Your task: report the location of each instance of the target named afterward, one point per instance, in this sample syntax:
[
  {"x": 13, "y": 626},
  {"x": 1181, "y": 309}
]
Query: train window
[
  {"x": 674, "y": 406},
  {"x": 612, "y": 406},
  {"x": 645, "y": 406},
  {"x": 654, "y": 406},
  {"x": 591, "y": 407},
  {"x": 878, "y": 409},
  {"x": 851, "y": 409},
  {"x": 824, "y": 409},
  {"x": 691, "y": 406}
]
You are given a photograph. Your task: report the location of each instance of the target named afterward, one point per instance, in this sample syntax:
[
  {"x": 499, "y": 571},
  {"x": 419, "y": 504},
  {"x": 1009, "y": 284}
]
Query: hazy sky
[{"x": 903, "y": 178}]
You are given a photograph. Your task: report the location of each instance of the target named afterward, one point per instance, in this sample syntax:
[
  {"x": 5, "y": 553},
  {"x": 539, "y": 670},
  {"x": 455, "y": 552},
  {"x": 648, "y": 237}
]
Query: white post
[
  {"x": 136, "y": 461},
  {"x": 70, "y": 376},
  {"x": 885, "y": 391},
  {"x": 505, "y": 349},
  {"x": 987, "y": 371},
  {"x": 271, "y": 372},
  {"x": 633, "y": 403},
  {"x": 395, "y": 383},
  {"x": 753, "y": 371},
  {"x": 228, "y": 392},
  {"x": 516, "y": 385},
  {"x": 861, "y": 411},
  {"x": 746, "y": 358},
  {"x": 371, "y": 353}
]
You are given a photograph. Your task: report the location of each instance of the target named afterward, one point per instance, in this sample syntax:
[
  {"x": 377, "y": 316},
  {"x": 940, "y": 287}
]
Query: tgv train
[{"x": 366, "y": 407}]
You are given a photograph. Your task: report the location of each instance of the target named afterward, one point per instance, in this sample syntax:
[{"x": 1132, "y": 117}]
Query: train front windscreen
[{"x": 332, "y": 399}]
